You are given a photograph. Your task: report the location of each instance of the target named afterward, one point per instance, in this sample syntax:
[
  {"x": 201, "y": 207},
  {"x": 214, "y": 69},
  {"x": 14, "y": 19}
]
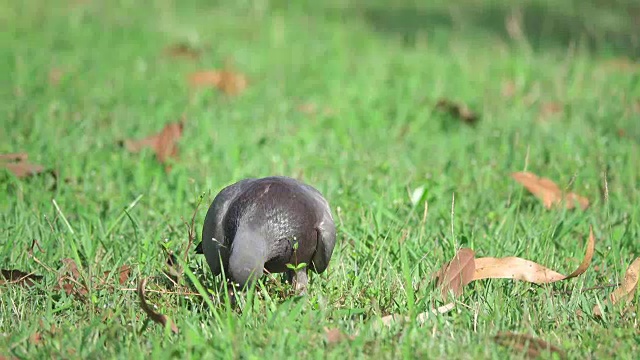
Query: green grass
[{"x": 380, "y": 68}]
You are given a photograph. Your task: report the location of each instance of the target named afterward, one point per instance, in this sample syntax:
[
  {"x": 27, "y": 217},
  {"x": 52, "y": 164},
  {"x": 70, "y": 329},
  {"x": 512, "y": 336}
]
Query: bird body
[{"x": 268, "y": 223}]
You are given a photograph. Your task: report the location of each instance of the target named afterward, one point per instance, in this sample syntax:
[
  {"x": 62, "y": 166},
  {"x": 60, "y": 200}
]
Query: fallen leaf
[
  {"x": 508, "y": 88},
  {"x": 35, "y": 338},
  {"x": 182, "y": 50},
  {"x": 335, "y": 335},
  {"x": 526, "y": 343},
  {"x": 547, "y": 191},
  {"x": 621, "y": 64},
  {"x": 55, "y": 75},
  {"x": 70, "y": 279},
  {"x": 526, "y": 270},
  {"x": 460, "y": 111},
  {"x": 626, "y": 290},
  {"x": 550, "y": 109},
  {"x": 457, "y": 273},
  {"x": 164, "y": 143},
  {"x": 19, "y": 166},
  {"x": 230, "y": 82},
  {"x": 153, "y": 315},
  {"x": 494, "y": 268},
  {"x": 19, "y": 277},
  {"x": 313, "y": 109},
  {"x": 124, "y": 272}
]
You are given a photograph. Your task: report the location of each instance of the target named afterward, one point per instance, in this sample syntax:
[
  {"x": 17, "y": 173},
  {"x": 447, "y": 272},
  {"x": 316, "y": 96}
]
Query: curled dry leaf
[
  {"x": 19, "y": 166},
  {"x": 182, "y": 50},
  {"x": 626, "y": 290},
  {"x": 153, "y": 315},
  {"x": 460, "y": 111},
  {"x": 547, "y": 191},
  {"x": 521, "y": 269},
  {"x": 230, "y": 82},
  {"x": 335, "y": 335},
  {"x": 164, "y": 143},
  {"x": 533, "y": 347},
  {"x": 18, "y": 277},
  {"x": 453, "y": 276}
]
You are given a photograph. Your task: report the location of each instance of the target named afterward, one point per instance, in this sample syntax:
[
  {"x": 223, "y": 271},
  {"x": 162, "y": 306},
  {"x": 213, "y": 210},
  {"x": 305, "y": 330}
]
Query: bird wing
[{"x": 215, "y": 245}]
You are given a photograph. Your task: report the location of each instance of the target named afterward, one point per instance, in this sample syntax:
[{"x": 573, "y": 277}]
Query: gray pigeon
[{"x": 267, "y": 223}]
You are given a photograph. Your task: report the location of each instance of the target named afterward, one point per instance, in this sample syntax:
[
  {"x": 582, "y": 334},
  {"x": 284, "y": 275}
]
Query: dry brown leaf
[
  {"x": 164, "y": 143},
  {"x": 182, "y": 50},
  {"x": 622, "y": 64},
  {"x": 549, "y": 109},
  {"x": 526, "y": 343},
  {"x": 70, "y": 279},
  {"x": 456, "y": 274},
  {"x": 55, "y": 75},
  {"x": 626, "y": 290},
  {"x": 35, "y": 338},
  {"x": 313, "y": 109},
  {"x": 19, "y": 166},
  {"x": 508, "y": 88},
  {"x": 335, "y": 335},
  {"x": 230, "y": 82},
  {"x": 521, "y": 269},
  {"x": 124, "y": 272},
  {"x": 18, "y": 277},
  {"x": 153, "y": 315},
  {"x": 460, "y": 111},
  {"x": 547, "y": 191}
]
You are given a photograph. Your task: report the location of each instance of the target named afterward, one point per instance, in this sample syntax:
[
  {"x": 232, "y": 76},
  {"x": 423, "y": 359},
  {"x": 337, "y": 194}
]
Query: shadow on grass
[{"x": 609, "y": 27}]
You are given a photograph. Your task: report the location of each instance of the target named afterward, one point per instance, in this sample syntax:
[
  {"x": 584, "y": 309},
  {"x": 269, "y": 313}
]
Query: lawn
[{"x": 342, "y": 95}]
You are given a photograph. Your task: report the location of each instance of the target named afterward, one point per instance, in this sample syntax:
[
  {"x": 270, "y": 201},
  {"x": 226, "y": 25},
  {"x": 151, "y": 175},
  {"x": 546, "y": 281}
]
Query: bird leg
[{"x": 299, "y": 279}]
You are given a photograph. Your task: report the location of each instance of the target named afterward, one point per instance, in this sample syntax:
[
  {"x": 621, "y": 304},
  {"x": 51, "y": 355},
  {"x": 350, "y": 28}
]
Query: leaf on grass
[
  {"x": 335, "y": 335},
  {"x": 182, "y": 50},
  {"x": 460, "y": 111},
  {"x": 456, "y": 274},
  {"x": 70, "y": 279},
  {"x": 19, "y": 277},
  {"x": 508, "y": 88},
  {"x": 19, "y": 166},
  {"x": 230, "y": 82},
  {"x": 124, "y": 272},
  {"x": 153, "y": 315},
  {"x": 623, "y": 64},
  {"x": 626, "y": 290},
  {"x": 55, "y": 75},
  {"x": 533, "y": 347},
  {"x": 526, "y": 270},
  {"x": 164, "y": 143},
  {"x": 547, "y": 191},
  {"x": 550, "y": 109},
  {"x": 313, "y": 109}
]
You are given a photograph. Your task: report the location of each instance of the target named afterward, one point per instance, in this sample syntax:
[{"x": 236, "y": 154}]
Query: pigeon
[{"x": 275, "y": 223}]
